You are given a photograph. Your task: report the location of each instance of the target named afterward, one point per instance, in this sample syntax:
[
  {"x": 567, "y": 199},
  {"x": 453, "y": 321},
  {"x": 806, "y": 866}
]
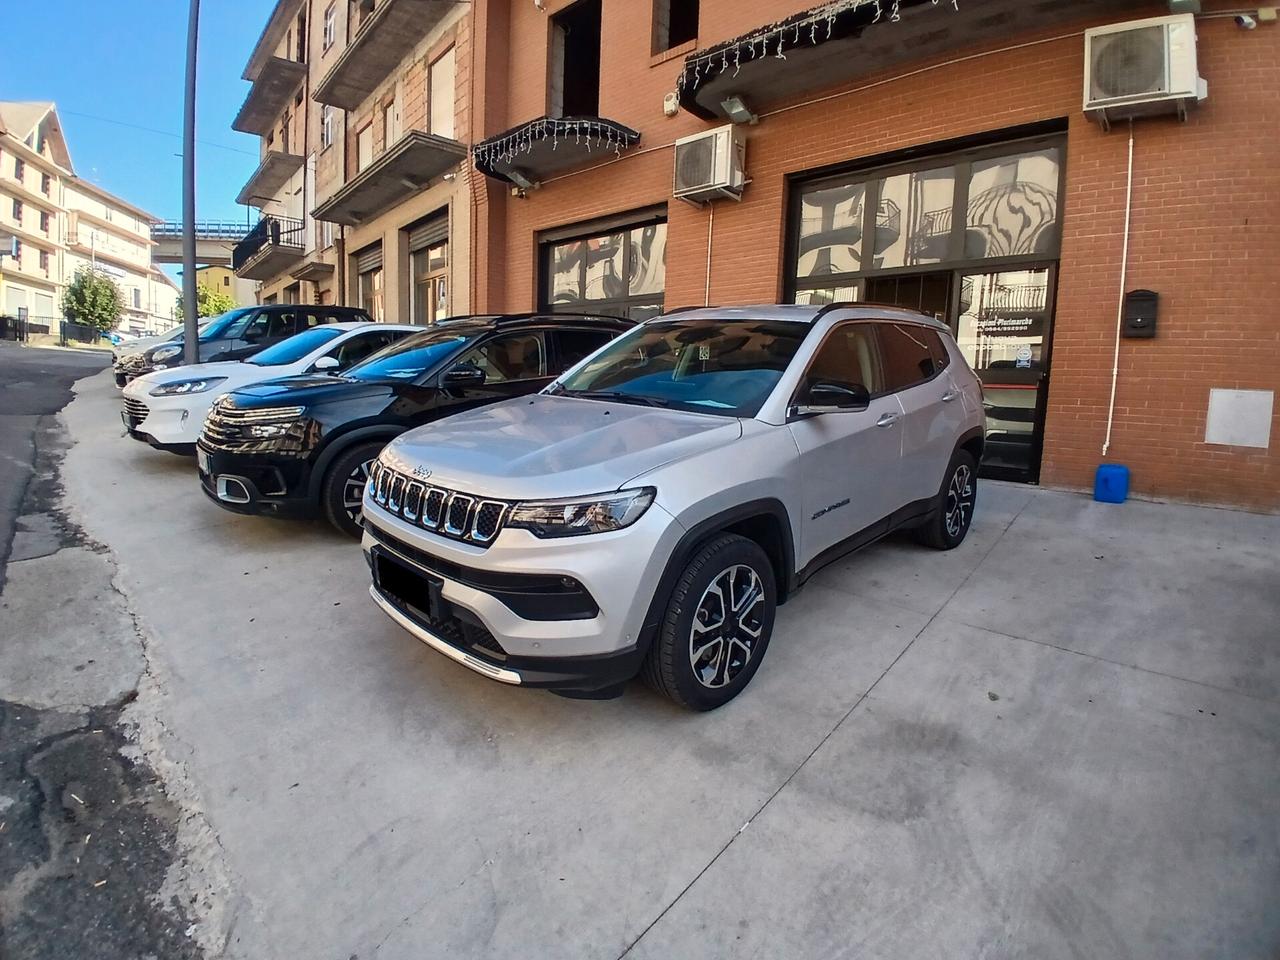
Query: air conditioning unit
[
  {"x": 711, "y": 165},
  {"x": 1142, "y": 68}
]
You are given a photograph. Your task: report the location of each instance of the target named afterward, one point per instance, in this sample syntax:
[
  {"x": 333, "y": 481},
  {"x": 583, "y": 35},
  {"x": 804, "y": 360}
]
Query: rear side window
[
  {"x": 505, "y": 359},
  {"x": 848, "y": 357},
  {"x": 907, "y": 355},
  {"x": 353, "y": 350},
  {"x": 937, "y": 350},
  {"x": 573, "y": 345}
]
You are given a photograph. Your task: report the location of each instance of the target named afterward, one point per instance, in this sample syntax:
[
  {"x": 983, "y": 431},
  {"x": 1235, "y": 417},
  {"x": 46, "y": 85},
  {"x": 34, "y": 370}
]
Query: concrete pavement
[{"x": 1060, "y": 740}]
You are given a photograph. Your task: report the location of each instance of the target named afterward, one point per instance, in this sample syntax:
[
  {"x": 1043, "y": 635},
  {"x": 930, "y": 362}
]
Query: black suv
[
  {"x": 303, "y": 445},
  {"x": 237, "y": 334}
]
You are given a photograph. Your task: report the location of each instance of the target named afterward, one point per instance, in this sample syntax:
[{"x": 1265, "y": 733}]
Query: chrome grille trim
[
  {"x": 136, "y": 409},
  {"x": 449, "y": 513},
  {"x": 460, "y": 507}
]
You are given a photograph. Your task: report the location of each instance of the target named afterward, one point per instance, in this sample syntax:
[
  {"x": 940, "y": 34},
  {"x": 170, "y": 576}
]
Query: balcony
[
  {"x": 269, "y": 248},
  {"x": 843, "y": 40},
  {"x": 385, "y": 38},
  {"x": 413, "y": 161},
  {"x": 534, "y": 151},
  {"x": 271, "y": 92},
  {"x": 266, "y": 182}
]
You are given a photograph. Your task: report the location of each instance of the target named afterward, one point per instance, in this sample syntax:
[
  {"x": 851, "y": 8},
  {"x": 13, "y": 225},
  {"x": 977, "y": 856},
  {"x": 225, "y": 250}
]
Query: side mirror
[
  {"x": 326, "y": 365},
  {"x": 825, "y": 396},
  {"x": 464, "y": 375}
]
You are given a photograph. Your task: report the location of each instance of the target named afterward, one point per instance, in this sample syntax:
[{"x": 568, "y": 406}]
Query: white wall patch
[{"x": 1239, "y": 418}]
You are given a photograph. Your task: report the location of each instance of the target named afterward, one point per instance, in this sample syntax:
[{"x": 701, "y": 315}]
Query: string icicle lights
[{"x": 783, "y": 36}]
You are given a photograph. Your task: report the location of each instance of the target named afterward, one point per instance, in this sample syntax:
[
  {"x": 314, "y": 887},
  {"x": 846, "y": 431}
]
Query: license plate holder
[{"x": 407, "y": 586}]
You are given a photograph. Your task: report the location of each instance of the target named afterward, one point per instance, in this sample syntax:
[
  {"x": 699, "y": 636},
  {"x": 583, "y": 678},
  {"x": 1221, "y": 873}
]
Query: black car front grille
[
  {"x": 135, "y": 410},
  {"x": 226, "y": 426},
  {"x": 450, "y": 513}
]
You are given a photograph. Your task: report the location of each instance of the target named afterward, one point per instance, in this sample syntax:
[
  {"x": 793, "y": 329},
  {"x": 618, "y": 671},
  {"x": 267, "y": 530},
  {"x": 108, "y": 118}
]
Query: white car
[{"x": 167, "y": 408}]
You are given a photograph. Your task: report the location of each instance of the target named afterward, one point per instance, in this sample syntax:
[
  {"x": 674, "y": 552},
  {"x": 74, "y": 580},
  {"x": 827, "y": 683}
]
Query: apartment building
[
  {"x": 113, "y": 237},
  {"x": 34, "y": 161},
  {"x": 224, "y": 280},
  {"x": 929, "y": 154},
  {"x": 61, "y": 223},
  {"x": 362, "y": 111}
]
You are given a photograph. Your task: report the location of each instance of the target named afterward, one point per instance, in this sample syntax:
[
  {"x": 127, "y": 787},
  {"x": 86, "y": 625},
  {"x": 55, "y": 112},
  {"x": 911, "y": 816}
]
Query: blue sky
[{"x": 124, "y": 61}]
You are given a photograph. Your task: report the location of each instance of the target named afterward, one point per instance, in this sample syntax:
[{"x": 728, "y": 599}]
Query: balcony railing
[{"x": 270, "y": 233}]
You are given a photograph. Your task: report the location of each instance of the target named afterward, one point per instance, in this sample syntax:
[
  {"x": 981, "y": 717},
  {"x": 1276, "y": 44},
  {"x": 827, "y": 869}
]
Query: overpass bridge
[{"x": 215, "y": 239}]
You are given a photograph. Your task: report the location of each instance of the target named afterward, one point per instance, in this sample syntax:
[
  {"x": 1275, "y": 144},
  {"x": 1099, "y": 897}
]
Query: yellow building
[{"x": 223, "y": 280}]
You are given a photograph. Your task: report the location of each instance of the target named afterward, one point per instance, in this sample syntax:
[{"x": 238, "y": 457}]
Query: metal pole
[{"x": 190, "y": 320}]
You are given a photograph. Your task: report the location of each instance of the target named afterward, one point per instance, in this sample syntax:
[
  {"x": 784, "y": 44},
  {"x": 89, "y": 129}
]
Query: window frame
[
  {"x": 550, "y": 240},
  {"x": 538, "y": 332},
  {"x": 450, "y": 51},
  {"x": 326, "y": 127},
  {"x": 871, "y": 173},
  {"x": 875, "y": 323},
  {"x": 329, "y": 32},
  {"x": 661, "y": 32}
]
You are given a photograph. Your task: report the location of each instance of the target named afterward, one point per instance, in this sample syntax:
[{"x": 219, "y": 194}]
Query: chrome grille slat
[{"x": 449, "y": 513}]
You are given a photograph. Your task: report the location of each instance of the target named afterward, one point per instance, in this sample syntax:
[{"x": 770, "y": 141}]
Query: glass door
[{"x": 1003, "y": 327}]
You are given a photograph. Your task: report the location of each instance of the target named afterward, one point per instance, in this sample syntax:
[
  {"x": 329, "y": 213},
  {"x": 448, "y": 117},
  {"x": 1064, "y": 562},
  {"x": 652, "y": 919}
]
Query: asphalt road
[
  {"x": 35, "y": 383},
  {"x": 88, "y": 836}
]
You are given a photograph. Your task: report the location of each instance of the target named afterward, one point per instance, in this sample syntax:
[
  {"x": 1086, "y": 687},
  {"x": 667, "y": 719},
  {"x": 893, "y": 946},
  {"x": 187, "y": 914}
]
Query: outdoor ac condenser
[
  {"x": 711, "y": 165},
  {"x": 1142, "y": 68}
]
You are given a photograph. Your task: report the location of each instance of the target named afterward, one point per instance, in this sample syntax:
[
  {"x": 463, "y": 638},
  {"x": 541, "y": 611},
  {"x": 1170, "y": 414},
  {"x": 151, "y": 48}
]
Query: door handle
[
  {"x": 887, "y": 420},
  {"x": 950, "y": 395}
]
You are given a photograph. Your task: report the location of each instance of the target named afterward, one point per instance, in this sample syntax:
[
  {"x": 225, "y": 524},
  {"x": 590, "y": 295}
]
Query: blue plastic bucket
[{"x": 1111, "y": 483}]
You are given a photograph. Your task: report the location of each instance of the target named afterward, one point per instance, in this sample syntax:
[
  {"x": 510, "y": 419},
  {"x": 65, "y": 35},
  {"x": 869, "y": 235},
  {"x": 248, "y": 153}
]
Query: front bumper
[
  {"x": 565, "y": 614},
  {"x": 258, "y": 484}
]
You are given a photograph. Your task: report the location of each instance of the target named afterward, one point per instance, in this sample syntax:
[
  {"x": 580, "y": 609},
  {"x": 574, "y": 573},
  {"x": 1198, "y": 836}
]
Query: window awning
[
  {"x": 272, "y": 174},
  {"x": 824, "y": 46},
  {"x": 535, "y": 150},
  {"x": 385, "y": 38},
  {"x": 270, "y": 93},
  {"x": 413, "y": 161}
]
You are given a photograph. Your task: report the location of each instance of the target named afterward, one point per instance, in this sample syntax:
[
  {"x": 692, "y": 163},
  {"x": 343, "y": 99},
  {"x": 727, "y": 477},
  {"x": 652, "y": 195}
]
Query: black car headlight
[{"x": 578, "y": 516}]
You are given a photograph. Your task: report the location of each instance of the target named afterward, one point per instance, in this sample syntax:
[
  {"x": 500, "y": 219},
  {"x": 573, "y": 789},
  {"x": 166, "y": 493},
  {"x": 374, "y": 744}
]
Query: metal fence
[
  {"x": 79, "y": 333},
  {"x": 205, "y": 230}
]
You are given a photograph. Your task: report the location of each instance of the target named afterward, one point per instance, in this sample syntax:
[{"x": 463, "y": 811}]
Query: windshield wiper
[{"x": 616, "y": 396}]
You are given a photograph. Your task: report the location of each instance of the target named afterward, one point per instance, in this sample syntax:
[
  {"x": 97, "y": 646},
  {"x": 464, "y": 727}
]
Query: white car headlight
[
  {"x": 577, "y": 516},
  {"x": 165, "y": 353},
  {"x": 199, "y": 385}
]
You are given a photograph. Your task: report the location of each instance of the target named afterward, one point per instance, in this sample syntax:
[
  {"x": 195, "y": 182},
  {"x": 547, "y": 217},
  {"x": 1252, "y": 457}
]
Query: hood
[
  {"x": 547, "y": 446},
  {"x": 142, "y": 384},
  {"x": 307, "y": 390}
]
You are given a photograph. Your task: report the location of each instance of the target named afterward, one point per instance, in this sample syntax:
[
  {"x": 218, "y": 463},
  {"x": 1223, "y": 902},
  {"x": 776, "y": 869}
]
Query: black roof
[
  {"x": 538, "y": 319},
  {"x": 354, "y": 311}
]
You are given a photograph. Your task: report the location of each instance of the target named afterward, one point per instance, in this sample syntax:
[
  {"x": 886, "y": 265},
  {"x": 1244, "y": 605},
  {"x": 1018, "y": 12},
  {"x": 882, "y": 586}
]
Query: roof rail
[
  {"x": 700, "y": 306},
  {"x": 838, "y": 305}
]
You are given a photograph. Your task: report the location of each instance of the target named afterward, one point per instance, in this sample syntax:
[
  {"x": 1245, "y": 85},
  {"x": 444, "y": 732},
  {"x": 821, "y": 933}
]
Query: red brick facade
[{"x": 1205, "y": 218}]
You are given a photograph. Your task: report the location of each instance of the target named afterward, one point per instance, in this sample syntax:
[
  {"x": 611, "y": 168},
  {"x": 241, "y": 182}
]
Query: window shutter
[
  {"x": 370, "y": 258},
  {"x": 429, "y": 232}
]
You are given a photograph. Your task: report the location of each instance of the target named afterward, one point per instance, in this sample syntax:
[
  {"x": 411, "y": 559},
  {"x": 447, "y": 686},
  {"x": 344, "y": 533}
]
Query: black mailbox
[{"x": 1140, "y": 308}]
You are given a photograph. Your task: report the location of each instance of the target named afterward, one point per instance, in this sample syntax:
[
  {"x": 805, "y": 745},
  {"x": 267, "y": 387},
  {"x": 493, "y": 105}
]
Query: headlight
[
  {"x": 268, "y": 431},
  {"x": 577, "y": 516},
  {"x": 165, "y": 353},
  {"x": 186, "y": 386}
]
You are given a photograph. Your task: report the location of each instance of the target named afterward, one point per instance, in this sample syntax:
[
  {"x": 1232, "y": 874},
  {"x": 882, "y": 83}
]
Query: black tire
[
  {"x": 669, "y": 666},
  {"x": 347, "y": 467},
  {"x": 947, "y": 526}
]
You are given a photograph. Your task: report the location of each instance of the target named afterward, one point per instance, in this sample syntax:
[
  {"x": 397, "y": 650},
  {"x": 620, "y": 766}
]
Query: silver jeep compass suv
[{"x": 647, "y": 511}]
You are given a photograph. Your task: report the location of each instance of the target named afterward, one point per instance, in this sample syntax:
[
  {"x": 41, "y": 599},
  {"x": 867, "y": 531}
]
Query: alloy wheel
[
  {"x": 727, "y": 624},
  {"x": 353, "y": 492},
  {"x": 960, "y": 497}
]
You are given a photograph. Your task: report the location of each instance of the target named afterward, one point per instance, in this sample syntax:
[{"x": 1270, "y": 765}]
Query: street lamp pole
[{"x": 190, "y": 311}]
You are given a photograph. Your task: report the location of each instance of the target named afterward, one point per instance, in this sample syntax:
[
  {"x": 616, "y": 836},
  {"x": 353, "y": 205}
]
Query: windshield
[
  {"x": 727, "y": 367},
  {"x": 295, "y": 348},
  {"x": 411, "y": 357},
  {"x": 227, "y": 325}
]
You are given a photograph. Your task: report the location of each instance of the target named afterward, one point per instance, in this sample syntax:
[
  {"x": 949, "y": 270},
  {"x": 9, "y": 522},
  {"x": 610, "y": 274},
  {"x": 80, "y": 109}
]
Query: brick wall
[{"x": 1205, "y": 223}]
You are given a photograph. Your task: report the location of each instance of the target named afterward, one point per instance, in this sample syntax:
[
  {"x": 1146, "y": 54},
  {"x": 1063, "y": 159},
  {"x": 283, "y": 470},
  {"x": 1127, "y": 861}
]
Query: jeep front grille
[{"x": 450, "y": 513}]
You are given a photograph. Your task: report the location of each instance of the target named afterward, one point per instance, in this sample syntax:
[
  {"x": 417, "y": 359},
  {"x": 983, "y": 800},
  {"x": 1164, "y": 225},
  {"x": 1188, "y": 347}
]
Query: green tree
[
  {"x": 210, "y": 303},
  {"x": 92, "y": 298}
]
